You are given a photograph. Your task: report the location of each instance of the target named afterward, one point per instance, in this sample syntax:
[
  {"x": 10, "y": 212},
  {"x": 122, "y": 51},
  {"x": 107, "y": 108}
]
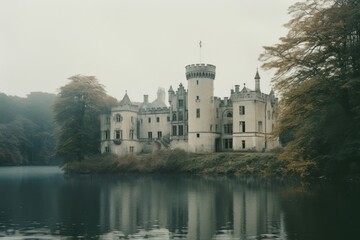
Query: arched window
[
  {"x": 174, "y": 117},
  {"x": 229, "y": 115}
]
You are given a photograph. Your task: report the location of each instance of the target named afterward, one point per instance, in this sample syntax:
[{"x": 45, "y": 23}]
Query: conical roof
[{"x": 125, "y": 100}]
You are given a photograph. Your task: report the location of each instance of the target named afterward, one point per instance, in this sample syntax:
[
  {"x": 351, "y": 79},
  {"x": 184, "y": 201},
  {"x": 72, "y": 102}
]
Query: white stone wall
[
  {"x": 163, "y": 125},
  {"x": 201, "y": 130}
]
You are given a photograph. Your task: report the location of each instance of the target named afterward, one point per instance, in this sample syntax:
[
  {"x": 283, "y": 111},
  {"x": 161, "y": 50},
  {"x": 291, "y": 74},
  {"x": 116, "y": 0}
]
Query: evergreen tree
[{"x": 318, "y": 77}]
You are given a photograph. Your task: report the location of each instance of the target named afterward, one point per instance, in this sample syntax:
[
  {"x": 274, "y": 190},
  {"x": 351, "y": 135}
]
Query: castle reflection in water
[{"x": 192, "y": 208}]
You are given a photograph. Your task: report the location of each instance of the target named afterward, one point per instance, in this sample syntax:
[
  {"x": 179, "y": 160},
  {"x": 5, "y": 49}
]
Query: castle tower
[{"x": 201, "y": 107}]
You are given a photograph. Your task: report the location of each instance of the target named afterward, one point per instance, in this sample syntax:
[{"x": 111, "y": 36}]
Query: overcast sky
[{"x": 135, "y": 45}]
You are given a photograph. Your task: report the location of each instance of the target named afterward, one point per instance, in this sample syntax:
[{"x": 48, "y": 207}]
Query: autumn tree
[
  {"x": 318, "y": 77},
  {"x": 76, "y": 111}
]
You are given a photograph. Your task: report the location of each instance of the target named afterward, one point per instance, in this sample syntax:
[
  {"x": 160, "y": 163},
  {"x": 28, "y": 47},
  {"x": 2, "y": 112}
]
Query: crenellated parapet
[
  {"x": 200, "y": 71},
  {"x": 154, "y": 110}
]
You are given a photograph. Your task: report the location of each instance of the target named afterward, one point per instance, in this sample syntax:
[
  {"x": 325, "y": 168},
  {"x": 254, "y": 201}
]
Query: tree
[
  {"x": 318, "y": 77},
  {"x": 76, "y": 111}
]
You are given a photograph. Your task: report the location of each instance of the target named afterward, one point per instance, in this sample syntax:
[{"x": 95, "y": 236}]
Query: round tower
[{"x": 201, "y": 107}]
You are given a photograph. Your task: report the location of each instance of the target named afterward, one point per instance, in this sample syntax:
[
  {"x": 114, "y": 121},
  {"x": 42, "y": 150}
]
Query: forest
[{"x": 27, "y": 129}]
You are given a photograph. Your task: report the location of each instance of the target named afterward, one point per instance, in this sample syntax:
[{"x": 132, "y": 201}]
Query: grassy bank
[{"x": 179, "y": 161}]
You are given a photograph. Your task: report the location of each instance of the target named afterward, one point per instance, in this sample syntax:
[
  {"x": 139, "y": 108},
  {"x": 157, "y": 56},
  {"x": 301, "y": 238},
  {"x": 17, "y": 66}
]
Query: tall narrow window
[
  {"x": 149, "y": 135},
  {"x": 149, "y": 120},
  {"x": 157, "y": 119},
  {"x": 242, "y": 110},
  {"x": 242, "y": 126},
  {"x": 228, "y": 144},
  {"x": 118, "y": 134},
  {"x": 243, "y": 144},
  {"x": 181, "y": 130},
  {"x": 174, "y": 132},
  {"x": 107, "y": 135},
  {"x": 107, "y": 149},
  {"x": 174, "y": 117},
  {"x": 260, "y": 126},
  {"x": 131, "y": 134},
  {"x": 159, "y": 134},
  {"x": 181, "y": 116},
  {"x": 198, "y": 112},
  {"x": 181, "y": 103},
  {"x": 131, "y": 148}
]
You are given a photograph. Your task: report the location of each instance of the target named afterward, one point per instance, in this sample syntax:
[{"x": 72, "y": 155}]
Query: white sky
[{"x": 135, "y": 45}]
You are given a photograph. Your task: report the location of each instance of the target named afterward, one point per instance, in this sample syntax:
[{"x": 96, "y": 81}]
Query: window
[
  {"x": 217, "y": 113},
  {"x": 181, "y": 130},
  {"x": 149, "y": 135},
  {"x": 260, "y": 126},
  {"x": 181, "y": 103},
  {"x": 198, "y": 112},
  {"x": 174, "y": 132},
  {"x": 108, "y": 120},
  {"x": 106, "y": 135},
  {"x": 118, "y": 134},
  {"x": 181, "y": 116},
  {"x": 242, "y": 126},
  {"x": 131, "y": 148},
  {"x": 228, "y": 128},
  {"x": 198, "y": 135},
  {"x": 174, "y": 117},
  {"x": 131, "y": 134},
  {"x": 229, "y": 115},
  {"x": 159, "y": 134},
  {"x": 268, "y": 113},
  {"x": 243, "y": 144},
  {"x": 118, "y": 118},
  {"x": 242, "y": 110},
  {"x": 197, "y": 82},
  {"x": 228, "y": 144},
  {"x": 197, "y": 99},
  {"x": 216, "y": 128},
  {"x": 107, "y": 149},
  {"x": 157, "y": 119},
  {"x": 210, "y": 127},
  {"x": 168, "y": 118},
  {"x": 149, "y": 120}
]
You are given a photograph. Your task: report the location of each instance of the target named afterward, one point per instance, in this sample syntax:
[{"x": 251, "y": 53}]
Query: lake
[{"x": 44, "y": 203}]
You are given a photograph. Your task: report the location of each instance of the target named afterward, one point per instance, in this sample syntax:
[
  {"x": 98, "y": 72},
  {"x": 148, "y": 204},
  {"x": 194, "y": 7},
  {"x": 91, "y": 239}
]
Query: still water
[{"x": 43, "y": 203}]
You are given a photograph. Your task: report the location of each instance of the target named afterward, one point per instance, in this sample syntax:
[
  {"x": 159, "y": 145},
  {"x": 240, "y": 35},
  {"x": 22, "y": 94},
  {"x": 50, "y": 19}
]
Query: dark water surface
[{"x": 43, "y": 203}]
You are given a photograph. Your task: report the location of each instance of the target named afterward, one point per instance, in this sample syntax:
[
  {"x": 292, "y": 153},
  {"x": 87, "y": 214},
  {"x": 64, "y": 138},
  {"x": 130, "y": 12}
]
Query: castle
[{"x": 195, "y": 121}]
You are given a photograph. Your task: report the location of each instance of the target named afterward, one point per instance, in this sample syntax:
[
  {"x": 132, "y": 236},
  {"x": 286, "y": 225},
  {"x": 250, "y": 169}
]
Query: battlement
[{"x": 200, "y": 71}]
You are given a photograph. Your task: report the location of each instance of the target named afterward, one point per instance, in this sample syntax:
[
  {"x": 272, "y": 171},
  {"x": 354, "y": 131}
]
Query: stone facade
[{"x": 195, "y": 119}]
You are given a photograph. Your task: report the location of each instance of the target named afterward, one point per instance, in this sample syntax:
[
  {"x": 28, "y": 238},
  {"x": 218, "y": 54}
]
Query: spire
[
  {"x": 257, "y": 81},
  {"x": 125, "y": 100},
  {"x": 257, "y": 76}
]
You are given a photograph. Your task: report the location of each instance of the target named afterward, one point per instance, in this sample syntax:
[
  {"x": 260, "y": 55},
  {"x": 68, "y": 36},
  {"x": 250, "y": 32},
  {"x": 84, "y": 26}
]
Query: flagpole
[{"x": 200, "y": 50}]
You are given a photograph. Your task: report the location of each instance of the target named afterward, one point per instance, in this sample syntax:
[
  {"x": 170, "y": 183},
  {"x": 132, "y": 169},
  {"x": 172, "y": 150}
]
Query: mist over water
[{"x": 44, "y": 203}]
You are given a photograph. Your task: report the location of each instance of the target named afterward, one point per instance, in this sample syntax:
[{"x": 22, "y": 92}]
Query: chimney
[
  {"x": 237, "y": 87},
  {"x": 146, "y": 98}
]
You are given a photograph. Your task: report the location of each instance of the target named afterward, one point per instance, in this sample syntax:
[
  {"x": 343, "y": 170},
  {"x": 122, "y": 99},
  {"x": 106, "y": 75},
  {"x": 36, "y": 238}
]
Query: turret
[{"x": 257, "y": 81}]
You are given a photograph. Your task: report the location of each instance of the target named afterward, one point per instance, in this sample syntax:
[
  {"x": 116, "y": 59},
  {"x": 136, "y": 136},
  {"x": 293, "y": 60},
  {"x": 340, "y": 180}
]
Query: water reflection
[{"x": 44, "y": 204}]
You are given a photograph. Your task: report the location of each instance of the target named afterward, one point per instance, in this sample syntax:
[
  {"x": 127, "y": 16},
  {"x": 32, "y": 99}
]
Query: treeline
[
  {"x": 27, "y": 129},
  {"x": 318, "y": 76}
]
